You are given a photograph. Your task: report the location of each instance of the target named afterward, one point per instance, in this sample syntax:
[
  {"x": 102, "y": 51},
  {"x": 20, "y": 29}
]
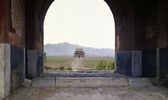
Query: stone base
[
  {"x": 5, "y": 70},
  {"x": 129, "y": 63},
  {"x": 149, "y": 63},
  {"x": 136, "y": 63},
  {"x": 163, "y": 64},
  {"x": 34, "y": 64},
  {"x": 27, "y": 83},
  {"x": 146, "y": 63},
  {"x": 12, "y": 68},
  {"x": 31, "y": 64},
  {"x": 79, "y": 82},
  {"x": 66, "y": 82},
  {"x": 17, "y": 66},
  {"x": 123, "y": 63},
  {"x": 139, "y": 82}
]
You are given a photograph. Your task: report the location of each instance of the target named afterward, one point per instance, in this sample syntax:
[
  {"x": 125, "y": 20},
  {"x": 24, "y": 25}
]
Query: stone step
[
  {"x": 140, "y": 82},
  {"x": 83, "y": 74},
  {"x": 80, "y": 82},
  {"x": 91, "y": 82}
]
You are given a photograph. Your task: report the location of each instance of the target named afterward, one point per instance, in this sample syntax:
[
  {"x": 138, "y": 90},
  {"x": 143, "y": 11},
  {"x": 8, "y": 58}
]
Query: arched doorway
[
  {"x": 124, "y": 31},
  {"x": 141, "y": 38},
  {"x": 88, "y": 25}
]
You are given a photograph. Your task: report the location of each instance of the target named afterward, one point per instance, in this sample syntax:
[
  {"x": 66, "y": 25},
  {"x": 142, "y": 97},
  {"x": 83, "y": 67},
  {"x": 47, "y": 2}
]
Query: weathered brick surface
[
  {"x": 2, "y": 20},
  {"x": 17, "y": 32},
  {"x": 140, "y": 25}
]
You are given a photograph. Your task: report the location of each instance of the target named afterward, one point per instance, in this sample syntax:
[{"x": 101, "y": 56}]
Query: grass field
[
  {"x": 58, "y": 59},
  {"x": 91, "y": 63},
  {"x": 58, "y": 62},
  {"x": 99, "y": 63}
]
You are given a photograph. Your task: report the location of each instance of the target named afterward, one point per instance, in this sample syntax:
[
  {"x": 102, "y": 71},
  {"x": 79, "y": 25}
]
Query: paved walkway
[
  {"x": 99, "y": 93},
  {"x": 90, "y": 88},
  {"x": 77, "y": 64}
]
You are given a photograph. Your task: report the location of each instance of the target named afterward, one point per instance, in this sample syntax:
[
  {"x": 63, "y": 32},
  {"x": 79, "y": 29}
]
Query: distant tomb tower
[{"x": 79, "y": 53}]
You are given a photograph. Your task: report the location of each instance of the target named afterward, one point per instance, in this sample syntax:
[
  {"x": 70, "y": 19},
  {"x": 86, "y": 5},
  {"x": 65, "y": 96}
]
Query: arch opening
[{"x": 75, "y": 26}]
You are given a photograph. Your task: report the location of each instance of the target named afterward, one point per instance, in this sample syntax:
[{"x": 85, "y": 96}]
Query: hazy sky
[{"x": 85, "y": 22}]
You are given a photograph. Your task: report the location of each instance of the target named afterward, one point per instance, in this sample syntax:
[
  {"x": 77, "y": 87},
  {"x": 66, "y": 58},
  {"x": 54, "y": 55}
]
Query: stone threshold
[
  {"x": 83, "y": 74},
  {"x": 55, "y": 82}
]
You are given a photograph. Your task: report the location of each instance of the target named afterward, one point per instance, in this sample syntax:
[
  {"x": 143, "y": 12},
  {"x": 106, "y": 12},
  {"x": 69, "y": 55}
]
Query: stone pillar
[
  {"x": 149, "y": 63},
  {"x": 163, "y": 65},
  {"x": 5, "y": 70},
  {"x": 124, "y": 62},
  {"x": 129, "y": 63},
  {"x": 34, "y": 63},
  {"x": 31, "y": 64},
  {"x": 136, "y": 63},
  {"x": 17, "y": 66}
]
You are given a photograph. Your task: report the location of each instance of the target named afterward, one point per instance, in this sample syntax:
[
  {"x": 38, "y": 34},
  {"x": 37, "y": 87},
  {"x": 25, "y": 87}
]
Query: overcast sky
[{"x": 85, "y": 22}]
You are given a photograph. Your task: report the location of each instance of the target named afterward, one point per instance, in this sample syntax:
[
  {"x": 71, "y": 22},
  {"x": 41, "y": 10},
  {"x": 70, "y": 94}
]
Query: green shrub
[
  {"x": 69, "y": 68},
  {"x": 105, "y": 65},
  {"x": 47, "y": 67},
  {"x": 62, "y": 68},
  {"x": 111, "y": 65},
  {"x": 101, "y": 65}
]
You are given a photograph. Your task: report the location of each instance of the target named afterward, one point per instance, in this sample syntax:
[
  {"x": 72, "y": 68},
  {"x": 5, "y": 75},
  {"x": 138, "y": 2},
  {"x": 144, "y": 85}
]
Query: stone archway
[
  {"x": 124, "y": 21},
  {"x": 141, "y": 39},
  {"x": 137, "y": 33}
]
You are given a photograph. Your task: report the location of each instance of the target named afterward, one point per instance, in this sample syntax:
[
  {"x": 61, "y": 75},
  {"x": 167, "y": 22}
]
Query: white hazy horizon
[
  {"x": 87, "y": 23},
  {"x": 76, "y": 44}
]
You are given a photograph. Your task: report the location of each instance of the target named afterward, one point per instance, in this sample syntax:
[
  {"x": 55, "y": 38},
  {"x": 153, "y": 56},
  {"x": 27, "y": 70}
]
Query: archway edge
[
  {"x": 124, "y": 17},
  {"x": 120, "y": 10}
]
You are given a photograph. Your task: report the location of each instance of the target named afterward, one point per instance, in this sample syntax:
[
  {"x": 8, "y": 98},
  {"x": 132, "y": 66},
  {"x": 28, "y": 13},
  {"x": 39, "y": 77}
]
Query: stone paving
[
  {"x": 80, "y": 82},
  {"x": 77, "y": 64},
  {"x": 89, "y": 93},
  {"x": 90, "y": 88},
  {"x": 116, "y": 87}
]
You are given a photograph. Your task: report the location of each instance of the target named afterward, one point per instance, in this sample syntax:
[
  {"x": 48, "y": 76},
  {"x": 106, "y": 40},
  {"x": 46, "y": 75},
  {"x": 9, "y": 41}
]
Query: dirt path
[{"x": 77, "y": 64}]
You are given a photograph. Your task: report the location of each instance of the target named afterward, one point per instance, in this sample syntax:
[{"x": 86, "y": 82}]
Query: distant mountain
[{"x": 69, "y": 49}]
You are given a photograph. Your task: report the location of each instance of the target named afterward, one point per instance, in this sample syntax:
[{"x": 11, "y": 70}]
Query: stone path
[
  {"x": 90, "y": 88},
  {"x": 77, "y": 64},
  {"x": 98, "y": 93}
]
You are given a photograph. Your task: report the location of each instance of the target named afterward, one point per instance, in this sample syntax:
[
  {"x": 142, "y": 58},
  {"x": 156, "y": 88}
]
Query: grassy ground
[
  {"x": 99, "y": 63},
  {"x": 91, "y": 63},
  {"x": 58, "y": 62},
  {"x": 58, "y": 59}
]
